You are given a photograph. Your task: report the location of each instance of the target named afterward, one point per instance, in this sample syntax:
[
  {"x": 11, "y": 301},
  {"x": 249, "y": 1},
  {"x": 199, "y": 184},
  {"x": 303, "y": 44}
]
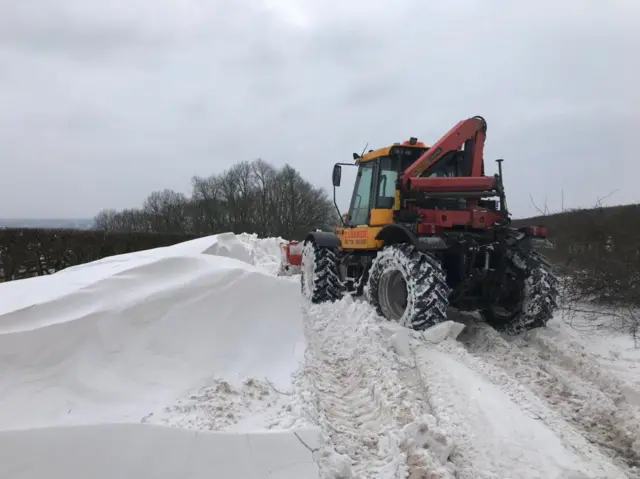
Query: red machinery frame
[
  {"x": 470, "y": 133},
  {"x": 473, "y": 130}
]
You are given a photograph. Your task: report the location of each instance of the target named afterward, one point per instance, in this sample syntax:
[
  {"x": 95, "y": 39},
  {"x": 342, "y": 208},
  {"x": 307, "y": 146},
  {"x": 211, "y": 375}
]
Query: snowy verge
[
  {"x": 615, "y": 352},
  {"x": 145, "y": 451},
  {"x": 248, "y": 249},
  {"x": 114, "y": 341},
  {"x": 265, "y": 252}
]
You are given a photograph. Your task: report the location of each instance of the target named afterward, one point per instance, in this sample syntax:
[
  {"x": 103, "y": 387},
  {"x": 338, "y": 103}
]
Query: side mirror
[{"x": 337, "y": 175}]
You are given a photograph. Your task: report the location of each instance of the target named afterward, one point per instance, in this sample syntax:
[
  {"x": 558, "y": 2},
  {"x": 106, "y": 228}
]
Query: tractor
[{"x": 427, "y": 230}]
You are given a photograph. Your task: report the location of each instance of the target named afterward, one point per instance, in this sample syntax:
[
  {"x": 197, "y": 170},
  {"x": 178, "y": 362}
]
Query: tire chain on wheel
[
  {"x": 428, "y": 292},
  {"x": 327, "y": 285},
  {"x": 541, "y": 300},
  {"x": 541, "y": 292}
]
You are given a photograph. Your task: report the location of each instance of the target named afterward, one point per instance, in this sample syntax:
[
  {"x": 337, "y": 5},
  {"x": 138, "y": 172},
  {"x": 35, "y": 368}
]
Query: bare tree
[
  {"x": 105, "y": 220},
  {"x": 166, "y": 210},
  {"x": 248, "y": 197}
]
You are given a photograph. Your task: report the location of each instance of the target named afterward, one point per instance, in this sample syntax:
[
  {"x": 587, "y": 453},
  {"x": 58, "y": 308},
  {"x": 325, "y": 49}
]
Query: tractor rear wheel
[
  {"x": 531, "y": 298},
  {"x": 408, "y": 286},
  {"x": 319, "y": 274}
]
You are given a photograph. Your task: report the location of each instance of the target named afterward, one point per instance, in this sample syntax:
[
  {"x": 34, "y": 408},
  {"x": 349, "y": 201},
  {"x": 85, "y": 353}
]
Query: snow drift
[
  {"x": 105, "y": 343},
  {"x": 125, "y": 335}
]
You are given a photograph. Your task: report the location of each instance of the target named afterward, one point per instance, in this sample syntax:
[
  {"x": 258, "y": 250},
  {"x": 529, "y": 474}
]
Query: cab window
[
  {"x": 360, "y": 203},
  {"x": 386, "y": 184}
]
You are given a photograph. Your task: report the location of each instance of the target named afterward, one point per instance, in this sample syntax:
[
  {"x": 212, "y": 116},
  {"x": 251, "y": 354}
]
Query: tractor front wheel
[
  {"x": 408, "y": 286},
  {"x": 319, "y": 274}
]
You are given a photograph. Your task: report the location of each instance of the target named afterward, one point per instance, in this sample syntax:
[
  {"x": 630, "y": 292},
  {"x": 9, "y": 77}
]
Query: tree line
[{"x": 251, "y": 197}]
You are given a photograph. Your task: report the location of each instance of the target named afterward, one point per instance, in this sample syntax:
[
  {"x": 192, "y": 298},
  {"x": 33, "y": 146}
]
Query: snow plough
[
  {"x": 427, "y": 230},
  {"x": 291, "y": 252}
]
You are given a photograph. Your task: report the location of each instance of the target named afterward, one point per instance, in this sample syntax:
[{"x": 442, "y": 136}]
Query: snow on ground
[
  {"x": 560, "y": 366},
  {"x": 112, "y": 348},
  {"x": 114, "y": 451},
  {"x": 163, "y": 331},
  {"x": 503, "y": 428},
  {"x": 393, "y": 403},
  {"x": 367, "y": 399},
  {"x": 195, "y": 360},
  {"x": 264, "y": 252},
  {"x": 611, "y": 356}
]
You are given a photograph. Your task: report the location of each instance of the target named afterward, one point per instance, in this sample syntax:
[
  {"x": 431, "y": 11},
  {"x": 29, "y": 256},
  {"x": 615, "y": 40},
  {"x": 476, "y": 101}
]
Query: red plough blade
[{"x": 291, "y": 258}]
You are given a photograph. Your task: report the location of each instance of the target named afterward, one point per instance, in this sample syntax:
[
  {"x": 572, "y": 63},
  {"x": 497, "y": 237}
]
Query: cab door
[
  {"x": 371, "y": 205},
  {"x": 356, "y": 234},
  {"x": 385, "y": 179}
]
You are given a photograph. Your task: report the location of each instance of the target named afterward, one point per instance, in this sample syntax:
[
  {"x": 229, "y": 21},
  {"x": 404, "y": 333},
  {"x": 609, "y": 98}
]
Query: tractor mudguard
[
  {"x": 324, "y": 239},
  {"x": 394, "y": 234}
]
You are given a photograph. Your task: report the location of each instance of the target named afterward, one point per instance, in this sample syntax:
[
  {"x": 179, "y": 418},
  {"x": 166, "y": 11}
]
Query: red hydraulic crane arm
[{"x": 474, "y": 129}]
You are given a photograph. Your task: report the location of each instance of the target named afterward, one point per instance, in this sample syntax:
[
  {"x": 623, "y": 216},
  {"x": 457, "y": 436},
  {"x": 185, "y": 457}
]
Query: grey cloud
[
  {"x": 100, "y": 103},
  {"x": 49, "y": 28},
  {"x": 74, "y": 38}
]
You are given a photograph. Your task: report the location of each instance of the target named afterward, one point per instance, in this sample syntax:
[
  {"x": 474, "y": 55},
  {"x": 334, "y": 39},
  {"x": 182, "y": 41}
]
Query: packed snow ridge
[{"x": 197, "y": 360}]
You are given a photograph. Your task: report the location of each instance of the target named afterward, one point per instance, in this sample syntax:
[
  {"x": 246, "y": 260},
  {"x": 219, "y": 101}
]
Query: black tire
[
  {"x": 424, "y": 283},
  {"x": 535, "y": 299},
  {"x": 319, "y": 274}
]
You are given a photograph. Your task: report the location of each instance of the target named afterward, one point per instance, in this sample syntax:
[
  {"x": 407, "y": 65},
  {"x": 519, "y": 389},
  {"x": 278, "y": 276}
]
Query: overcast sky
[{"x": 103, "y": 102}]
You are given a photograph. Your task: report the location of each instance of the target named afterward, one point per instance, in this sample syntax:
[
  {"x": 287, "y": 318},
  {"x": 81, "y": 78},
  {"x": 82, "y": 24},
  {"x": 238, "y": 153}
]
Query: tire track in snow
[
  {"x": 367, "y": 399},
  {"x": 614, "y": 422},
  {"x": 597, "y": 464},
  {"x": 568, "y": 383},
  {"x": 572, "y": 356}
]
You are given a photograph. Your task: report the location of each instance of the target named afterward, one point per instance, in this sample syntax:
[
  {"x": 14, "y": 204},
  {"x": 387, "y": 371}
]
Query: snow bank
[
  {"x": 224, "y": 244},
  {"x": 31, "y": 291},
  {"x": 198, "y": 335},
  {"x": 112, "y": 340},
  {"x": 265, "y": 252},
  {"x": 142, "y": 451}
]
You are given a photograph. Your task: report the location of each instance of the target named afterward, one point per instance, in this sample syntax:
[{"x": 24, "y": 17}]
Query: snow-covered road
[
  {"x": 568, "y": 381},
  {"x": 173, "y": 353},
  {"x": 403, "y": 404},
  {"x": 367, "y": 399}
]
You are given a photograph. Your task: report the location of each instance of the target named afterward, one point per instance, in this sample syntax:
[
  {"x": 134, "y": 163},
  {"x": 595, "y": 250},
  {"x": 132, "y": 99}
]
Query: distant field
[{"x": 79, "y": 223}]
